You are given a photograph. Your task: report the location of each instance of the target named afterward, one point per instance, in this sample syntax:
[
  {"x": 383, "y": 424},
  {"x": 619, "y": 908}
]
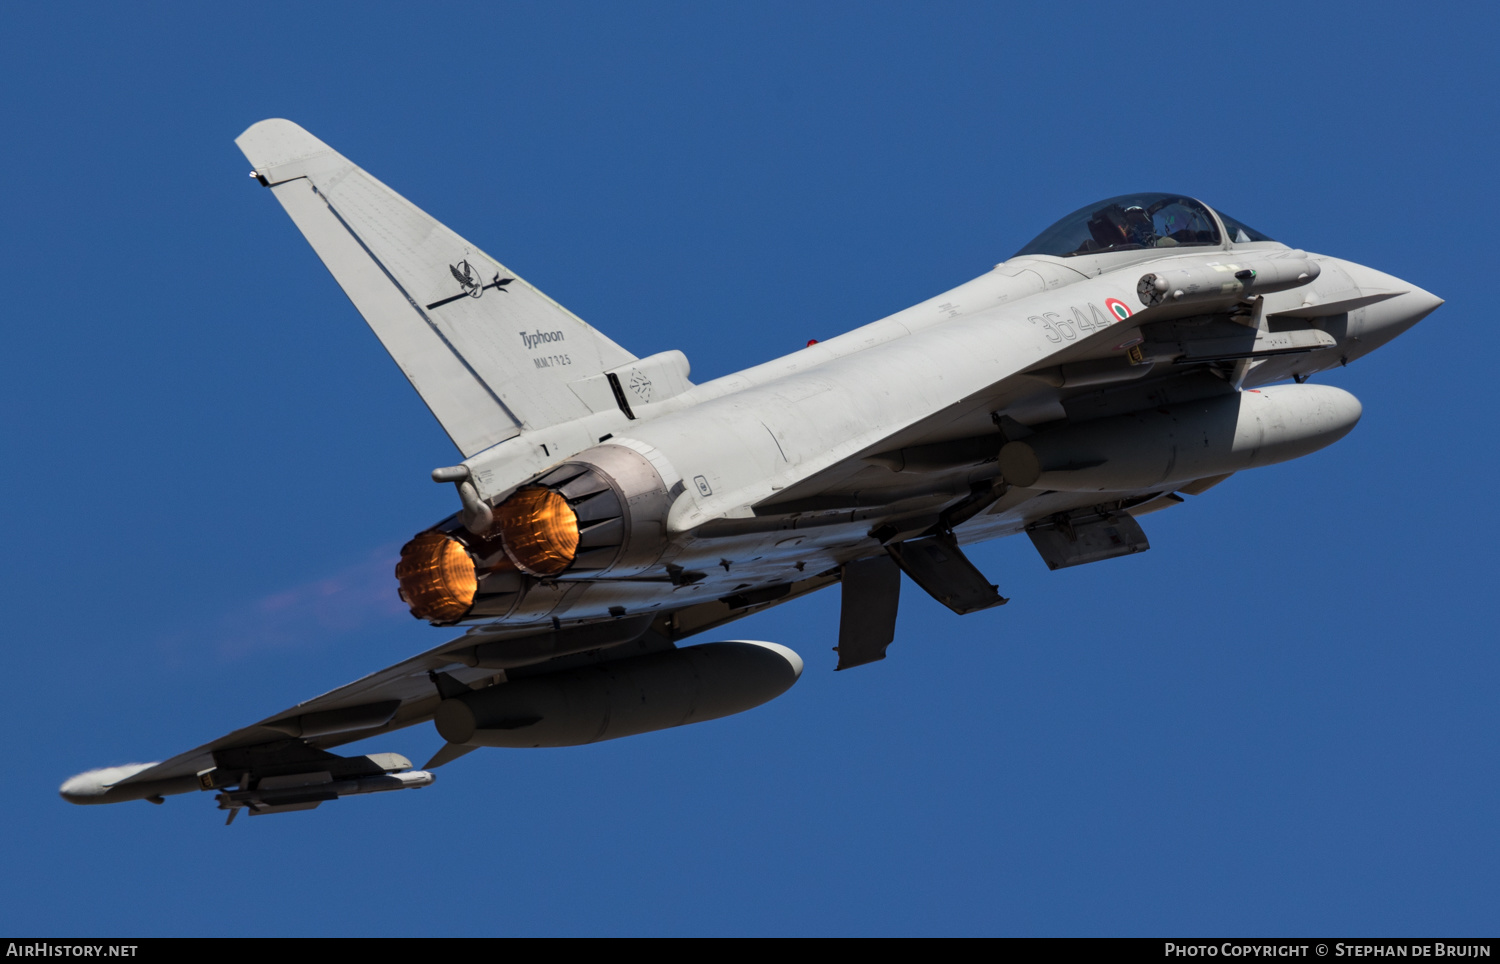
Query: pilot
[{"x": 1140, "y": 227}]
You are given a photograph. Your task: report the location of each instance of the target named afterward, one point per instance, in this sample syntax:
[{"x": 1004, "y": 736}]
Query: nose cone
[
  {"x": 1387, "y": 319},
  {"x": 1374, "y": 325}
]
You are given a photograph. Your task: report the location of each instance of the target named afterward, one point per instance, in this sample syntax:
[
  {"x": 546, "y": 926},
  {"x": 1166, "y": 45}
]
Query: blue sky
[{"x": 1280, "y": 720}]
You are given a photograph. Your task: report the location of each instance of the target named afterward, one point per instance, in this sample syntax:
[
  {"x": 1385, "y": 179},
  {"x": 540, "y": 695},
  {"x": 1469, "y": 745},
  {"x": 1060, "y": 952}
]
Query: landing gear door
[
  {"x": 1064, "y": 542},
  {"x": 937, "y": 564}
]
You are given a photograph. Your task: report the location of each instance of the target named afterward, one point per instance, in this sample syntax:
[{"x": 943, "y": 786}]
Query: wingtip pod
[
  {"x": 108, "y": 785},
  {"x": 90, "y": 785}
]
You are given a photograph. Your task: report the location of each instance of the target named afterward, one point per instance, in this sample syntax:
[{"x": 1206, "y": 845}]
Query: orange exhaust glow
[
  {"x": 540, "y": 531},
  {"x": 437, "y": 577}
]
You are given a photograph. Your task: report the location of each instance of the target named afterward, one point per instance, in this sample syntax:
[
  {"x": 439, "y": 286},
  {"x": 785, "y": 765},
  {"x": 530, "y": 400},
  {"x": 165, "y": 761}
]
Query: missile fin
[{"x": 447, "y": 754}]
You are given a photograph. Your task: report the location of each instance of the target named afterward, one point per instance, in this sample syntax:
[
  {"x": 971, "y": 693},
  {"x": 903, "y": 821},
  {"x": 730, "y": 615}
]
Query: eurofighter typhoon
[{"x": 1140, "y": 350}]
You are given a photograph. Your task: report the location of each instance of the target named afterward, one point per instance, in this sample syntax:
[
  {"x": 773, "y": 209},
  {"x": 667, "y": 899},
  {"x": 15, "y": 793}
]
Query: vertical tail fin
[{"x": 488, "y": 353}]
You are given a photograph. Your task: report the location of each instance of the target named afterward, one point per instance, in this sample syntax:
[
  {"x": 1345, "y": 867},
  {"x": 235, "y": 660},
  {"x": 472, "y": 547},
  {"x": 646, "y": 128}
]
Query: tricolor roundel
[{"x": 1117, "y": 307}]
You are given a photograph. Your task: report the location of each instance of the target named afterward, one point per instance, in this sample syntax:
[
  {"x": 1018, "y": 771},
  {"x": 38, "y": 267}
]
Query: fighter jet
[{"x": 609, "y": 510}]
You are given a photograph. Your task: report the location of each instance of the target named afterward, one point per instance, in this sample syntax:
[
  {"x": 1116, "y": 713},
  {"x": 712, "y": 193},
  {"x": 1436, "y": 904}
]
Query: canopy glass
[{"x": 1134, "y": 221}]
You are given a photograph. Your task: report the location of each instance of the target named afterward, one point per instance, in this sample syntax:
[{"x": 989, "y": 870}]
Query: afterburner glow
[
  {"x": 437, "y": 577},
  {"x": 540, "y": 531}
]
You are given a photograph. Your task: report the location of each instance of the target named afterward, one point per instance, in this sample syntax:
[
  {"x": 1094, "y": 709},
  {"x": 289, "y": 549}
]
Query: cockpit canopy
[{"x": 1134, "y": 221}]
